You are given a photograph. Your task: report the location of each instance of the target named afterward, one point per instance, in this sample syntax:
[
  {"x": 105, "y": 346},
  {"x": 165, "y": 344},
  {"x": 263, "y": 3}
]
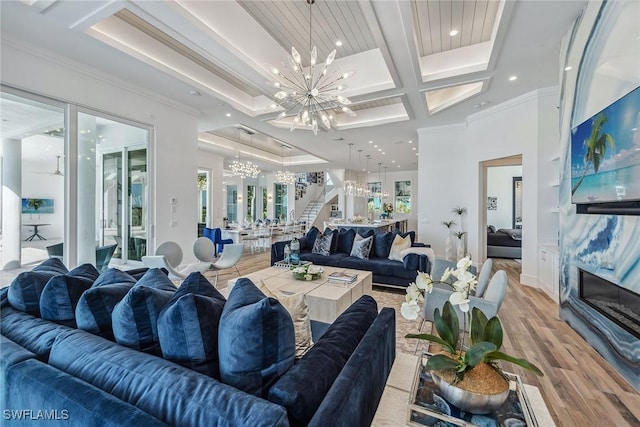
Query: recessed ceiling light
[
  {"x": 568, "y": 67},
  {"x": 375, "y": 146},
  {"x": 228, "y": 114},
  {"x": 512, "y": 78},
  {"x": 384, "y": 153},
  {"x": 379, "y": 149},
  {"x": 398, "y": 165},
  {"x": 417, "y": 154},
  {"x": 339, "y": 43},
  {"x": 410, "y": 142},
  {"x": 194, "y": 93},
  {"x": 414, "y": 148},
  {"x": 393, "y": 161},
  {"x": 370, "y": 142},
  {"x": 453, "y": 33}
]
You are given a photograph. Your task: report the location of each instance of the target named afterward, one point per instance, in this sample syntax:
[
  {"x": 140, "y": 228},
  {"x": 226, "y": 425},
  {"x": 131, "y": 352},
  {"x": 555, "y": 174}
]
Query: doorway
[{"x": 500, "y": 218}]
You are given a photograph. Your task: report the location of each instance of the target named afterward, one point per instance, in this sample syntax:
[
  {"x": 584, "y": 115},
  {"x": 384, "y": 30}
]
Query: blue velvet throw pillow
[
  {"x": 345, "y": 240},
  {"x": 322, "y": 244},
  {"x": 256, "y": 341},
  {"x": 188, "y": 326},
  {"x": 94, "y": 308},
  {"x": 382, "y": 244},
  {"x": 135, "y": 318},
  {"x": 361, "y": 247},
  {"x": 61, "y": 294},
  {"x": 26, "y": 289},
  {"x": 302, "y": 388},
  {"x": 311, "y": 235}
]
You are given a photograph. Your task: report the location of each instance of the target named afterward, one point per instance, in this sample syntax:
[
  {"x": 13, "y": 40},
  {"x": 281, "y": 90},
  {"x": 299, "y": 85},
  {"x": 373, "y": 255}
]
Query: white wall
[
  {"x": 500, "y": 185},
  {"x": 173, "y": 158},
  {"x": 521, "y": 126}
]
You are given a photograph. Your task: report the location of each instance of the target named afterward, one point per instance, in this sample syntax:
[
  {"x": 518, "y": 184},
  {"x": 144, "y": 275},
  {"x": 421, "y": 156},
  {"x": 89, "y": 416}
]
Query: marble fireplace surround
[{"x": 600, "y": 50}]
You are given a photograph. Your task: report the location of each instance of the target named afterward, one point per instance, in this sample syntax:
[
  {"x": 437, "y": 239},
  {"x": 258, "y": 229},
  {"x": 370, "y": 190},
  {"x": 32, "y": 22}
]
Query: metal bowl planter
[{"x": 468, "y": 401}]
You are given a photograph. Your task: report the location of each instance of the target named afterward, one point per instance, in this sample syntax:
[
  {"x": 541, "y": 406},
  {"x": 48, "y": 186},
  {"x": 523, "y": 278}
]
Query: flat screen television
[{"x": 605, "y": 155}]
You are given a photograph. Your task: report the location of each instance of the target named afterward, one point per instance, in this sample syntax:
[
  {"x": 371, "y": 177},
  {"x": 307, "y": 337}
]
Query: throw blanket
[
  {"x": 418, "y": 250},
  {"x": 514, "y": 233}
]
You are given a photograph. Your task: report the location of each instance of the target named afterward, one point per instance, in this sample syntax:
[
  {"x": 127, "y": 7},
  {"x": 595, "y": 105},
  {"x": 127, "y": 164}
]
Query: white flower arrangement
[
  {"x": 307, "y": 272},
  {"x": 462, "y": 287}
]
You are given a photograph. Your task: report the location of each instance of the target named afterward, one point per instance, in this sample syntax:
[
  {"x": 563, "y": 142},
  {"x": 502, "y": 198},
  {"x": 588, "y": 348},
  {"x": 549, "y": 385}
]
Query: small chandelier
[
  {"x": 285, "y": 177},
  {"x": 313, "y": 90},
  {"x": 245, "y": 169}
]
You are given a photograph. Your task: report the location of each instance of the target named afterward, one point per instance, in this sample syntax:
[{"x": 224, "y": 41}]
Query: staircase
[{"x": 311, "y": 212}]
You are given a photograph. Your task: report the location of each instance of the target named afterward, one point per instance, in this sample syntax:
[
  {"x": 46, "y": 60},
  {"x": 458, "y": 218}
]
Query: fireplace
[{"x": 618, "y": 304}]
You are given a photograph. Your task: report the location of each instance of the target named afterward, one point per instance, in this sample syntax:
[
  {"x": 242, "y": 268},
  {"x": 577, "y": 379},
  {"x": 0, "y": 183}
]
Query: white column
[
  {"x": 11, "y": 203},
  {"x": 86, "y": 189}
]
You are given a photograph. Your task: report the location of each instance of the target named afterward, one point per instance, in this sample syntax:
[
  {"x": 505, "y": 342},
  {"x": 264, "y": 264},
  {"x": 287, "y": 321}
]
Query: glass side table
[{"x": 427, "y": 408}]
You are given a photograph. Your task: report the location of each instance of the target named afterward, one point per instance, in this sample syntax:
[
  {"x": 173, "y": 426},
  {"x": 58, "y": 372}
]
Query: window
[
  {"x": 280, "y": 202},
  {"x": 251, "y": 203},
  {"x": 264, "y": 202},
  {"x": 403, "y": 196},
  {"x": 232, "y": 203},
  {"x": 375, "y": 203},
  {"x": 203, "y": 186}
]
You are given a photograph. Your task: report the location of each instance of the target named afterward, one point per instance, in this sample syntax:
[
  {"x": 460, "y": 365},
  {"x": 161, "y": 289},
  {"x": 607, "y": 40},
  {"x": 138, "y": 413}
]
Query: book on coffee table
[{"x": 342, "y": 277}]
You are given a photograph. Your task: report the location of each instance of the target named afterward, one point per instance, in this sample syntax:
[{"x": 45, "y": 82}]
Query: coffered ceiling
[{"x": 418, "y": 63}]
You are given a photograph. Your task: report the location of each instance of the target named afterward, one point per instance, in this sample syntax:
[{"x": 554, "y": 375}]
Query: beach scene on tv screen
[{"x": 605, "y": 154}]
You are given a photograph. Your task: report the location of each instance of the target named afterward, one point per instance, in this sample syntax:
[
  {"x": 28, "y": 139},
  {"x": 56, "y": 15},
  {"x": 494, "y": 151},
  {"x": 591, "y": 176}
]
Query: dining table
[{"x": 35, "y": 232}]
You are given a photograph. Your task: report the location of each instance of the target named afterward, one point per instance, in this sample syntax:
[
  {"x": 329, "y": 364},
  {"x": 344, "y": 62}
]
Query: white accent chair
[
  {"x": 229, "y": 259},
  {"x": 169, "y": 255}
]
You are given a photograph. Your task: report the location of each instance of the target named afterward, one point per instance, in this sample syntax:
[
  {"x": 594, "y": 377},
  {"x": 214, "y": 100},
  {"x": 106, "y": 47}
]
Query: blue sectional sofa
[
  {"x": 386, "y": 272},
  {"x": 72, "y": 377}
]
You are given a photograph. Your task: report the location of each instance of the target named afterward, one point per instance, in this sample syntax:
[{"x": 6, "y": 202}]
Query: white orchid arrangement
[
  {"x": 307, "y": 272},
  {"x": 462, "y": 287}
]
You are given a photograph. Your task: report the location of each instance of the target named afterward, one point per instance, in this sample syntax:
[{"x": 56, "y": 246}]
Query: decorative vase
[
  {"x": 468, "y": 401},
  {"x": 460, "y": 248},
  {"x": 448, "y": 246}
]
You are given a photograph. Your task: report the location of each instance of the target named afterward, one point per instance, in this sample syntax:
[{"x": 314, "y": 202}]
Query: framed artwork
[
  {"x": 517, "y": 202},
  {"x": 492, "y": 203},
  {"x": 37, "y": 206}
]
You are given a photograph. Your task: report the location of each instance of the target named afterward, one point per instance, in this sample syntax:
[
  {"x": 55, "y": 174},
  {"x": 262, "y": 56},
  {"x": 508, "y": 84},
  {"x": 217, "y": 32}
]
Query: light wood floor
[{"x": 579, "y": 386}]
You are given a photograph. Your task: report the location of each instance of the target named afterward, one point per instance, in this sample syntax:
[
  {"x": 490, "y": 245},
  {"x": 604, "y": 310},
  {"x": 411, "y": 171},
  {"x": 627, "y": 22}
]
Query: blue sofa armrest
[
  {"x": 277, "y": 251},
  {"x": 354, "y": 396},
  {"x": 418, "y": 262}
]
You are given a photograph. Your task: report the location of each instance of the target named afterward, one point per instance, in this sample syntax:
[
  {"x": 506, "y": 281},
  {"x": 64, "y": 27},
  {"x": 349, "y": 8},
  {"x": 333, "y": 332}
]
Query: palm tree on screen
[{"x": 596, "y": 147}]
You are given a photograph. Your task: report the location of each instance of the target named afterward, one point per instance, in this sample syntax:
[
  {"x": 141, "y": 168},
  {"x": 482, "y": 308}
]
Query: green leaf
[
  {"x": 440, "y": 361},
  {"x": 498, "y": 355},
  {"x": 451, "y": 318},
  {"x": 493, "y": 332},
  {"x": 477, "y": 353},
  {"x": 444, "y": 330},
  {"x": 478, "y": 323},
  {"x": 433, "y": 338}
]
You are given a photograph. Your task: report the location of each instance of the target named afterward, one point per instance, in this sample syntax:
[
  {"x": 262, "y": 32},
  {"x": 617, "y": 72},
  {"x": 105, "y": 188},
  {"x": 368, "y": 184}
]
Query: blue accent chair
[{"x": 215, "y": 234}]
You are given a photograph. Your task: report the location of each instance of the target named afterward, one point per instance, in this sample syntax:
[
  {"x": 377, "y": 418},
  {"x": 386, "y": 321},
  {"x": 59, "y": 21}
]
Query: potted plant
[
  {"x": 460, "y": 247},
  {"x": 467, "y": 377}
]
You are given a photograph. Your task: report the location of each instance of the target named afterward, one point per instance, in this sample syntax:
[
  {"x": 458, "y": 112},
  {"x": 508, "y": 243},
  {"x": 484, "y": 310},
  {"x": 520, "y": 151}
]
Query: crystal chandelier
[
  {"x": 350, "y": 187},
  {"x": 313, "y": 90},
  {"x": 285, "y": 177},
  {"x": 245, "y": 169}
]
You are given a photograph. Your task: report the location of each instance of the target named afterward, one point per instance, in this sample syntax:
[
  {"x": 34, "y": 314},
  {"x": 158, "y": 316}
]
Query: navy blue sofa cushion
[
  {"x": 382, "y": 244},
  {"x": 256, "y": 339},
  {"x": 12, "y": 353},
  {"x": 135, "y": 318},
  {"x": 75, "y": 402},
  {"x": 26, "y": 289},
  {"x": 353, "y": 398},
  {"x": 302, "y": 389},
  {"x": 176, "y": 395},
  {"x": 61, "y": 294},
  {"x": 331, "y": 261},
  {"x": 94, "y": 308},
  {"x": 188, "y": 326},
  {"x": 30, "y": 332},
  {"x": 345, "y": 240}
]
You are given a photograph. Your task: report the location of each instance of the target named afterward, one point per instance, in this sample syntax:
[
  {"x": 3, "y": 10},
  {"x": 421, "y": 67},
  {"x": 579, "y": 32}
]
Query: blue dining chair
[{"x": 219, "y": 241}]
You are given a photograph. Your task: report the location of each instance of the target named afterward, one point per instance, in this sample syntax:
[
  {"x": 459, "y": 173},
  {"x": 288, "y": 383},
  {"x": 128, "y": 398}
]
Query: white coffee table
[{"x": 326, "y": 300}]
